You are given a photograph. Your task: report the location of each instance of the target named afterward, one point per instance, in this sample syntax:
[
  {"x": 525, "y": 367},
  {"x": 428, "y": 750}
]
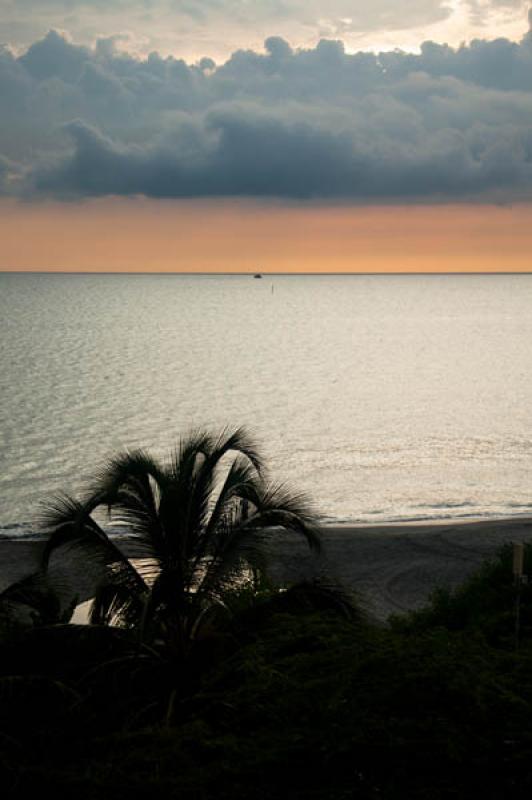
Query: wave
[
  {"x": 24, "y": 531},
  {"x": 440, "y": 512}
]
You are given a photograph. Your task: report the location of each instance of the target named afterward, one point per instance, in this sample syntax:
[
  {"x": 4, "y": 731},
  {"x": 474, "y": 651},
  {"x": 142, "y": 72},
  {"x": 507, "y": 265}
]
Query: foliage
[
  {"x": 485, "y": 603},
  {"x": 291, "y": 693},
  {"x": 31, "y": 601},
  {"x": 198, "y": 527},
  {"x": 315, "y": 705}
]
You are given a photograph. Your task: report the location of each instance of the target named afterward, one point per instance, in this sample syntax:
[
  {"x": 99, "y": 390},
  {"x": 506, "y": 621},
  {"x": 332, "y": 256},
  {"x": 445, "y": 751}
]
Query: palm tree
[{"x": 197, "y": 527}]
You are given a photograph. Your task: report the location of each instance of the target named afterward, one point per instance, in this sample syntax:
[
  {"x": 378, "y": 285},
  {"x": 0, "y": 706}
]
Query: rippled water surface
[{"x": 383, "y": 397}]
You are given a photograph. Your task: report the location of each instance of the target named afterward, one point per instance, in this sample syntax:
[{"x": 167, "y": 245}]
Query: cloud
[
  {"x": 481, "y": 10},
  {"x": 295, "y": 124},
  {"x": 11, "y": 176},
  {"x": 216, "y": 27},
  {"x": 4, "y": 173},
  {"x": 84, "y": 15}
]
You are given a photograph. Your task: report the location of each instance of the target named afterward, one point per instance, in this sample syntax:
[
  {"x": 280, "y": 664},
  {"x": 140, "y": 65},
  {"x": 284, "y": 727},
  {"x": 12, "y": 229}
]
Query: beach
[{"x": 393, "y": 568}]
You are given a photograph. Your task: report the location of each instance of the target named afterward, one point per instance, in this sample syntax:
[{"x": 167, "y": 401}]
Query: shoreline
[
  {"x": 12, "y": 532},
  {"x": 393, "y": 567}
]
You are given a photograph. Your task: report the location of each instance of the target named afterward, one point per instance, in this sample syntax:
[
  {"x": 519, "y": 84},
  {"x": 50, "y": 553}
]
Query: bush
[{"x": 485, "y": 603}]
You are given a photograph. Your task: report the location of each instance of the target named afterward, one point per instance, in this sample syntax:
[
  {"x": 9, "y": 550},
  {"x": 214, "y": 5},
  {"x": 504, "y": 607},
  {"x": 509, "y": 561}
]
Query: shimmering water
[{"x": 384, "y": 398}]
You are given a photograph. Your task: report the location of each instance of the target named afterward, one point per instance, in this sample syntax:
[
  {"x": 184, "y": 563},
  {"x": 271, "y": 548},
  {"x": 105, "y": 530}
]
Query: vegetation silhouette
[
  {"x": 198, "y": 528},
  {"x": 314, "y": 701},
  {"x": 201, "y": 679}
]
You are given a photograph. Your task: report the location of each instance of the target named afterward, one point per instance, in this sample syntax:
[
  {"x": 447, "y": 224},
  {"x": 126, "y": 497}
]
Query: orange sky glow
[{"x": 115, "y": 235}]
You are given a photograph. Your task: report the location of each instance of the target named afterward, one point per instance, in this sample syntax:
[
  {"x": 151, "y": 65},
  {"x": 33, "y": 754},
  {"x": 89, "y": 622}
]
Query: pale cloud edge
[
  {"x": 193, "y": 28},
  {"x": 447, "y": 124}
]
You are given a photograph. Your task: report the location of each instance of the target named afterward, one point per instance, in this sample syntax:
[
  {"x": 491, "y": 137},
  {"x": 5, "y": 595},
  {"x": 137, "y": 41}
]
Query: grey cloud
[
  {"x": 295, "y": 124},
  {"x": 53, "y": 56},
  {"x": 11, "y": 176},
  {"x": 4, "y": 172},
  {"x": 241, "y": 151},
  {"x": 234, "y": 150}
]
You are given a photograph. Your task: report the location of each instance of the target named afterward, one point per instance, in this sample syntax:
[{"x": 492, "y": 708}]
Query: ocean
[{"x": 384, "y": 398}]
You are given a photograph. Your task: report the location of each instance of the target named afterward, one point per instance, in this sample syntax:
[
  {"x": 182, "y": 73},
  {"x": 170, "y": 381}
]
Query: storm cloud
[{"x": 295, "y": 124}]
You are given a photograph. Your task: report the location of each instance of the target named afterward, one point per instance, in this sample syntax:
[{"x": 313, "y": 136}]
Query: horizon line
[{"x": 253, "y": 273}]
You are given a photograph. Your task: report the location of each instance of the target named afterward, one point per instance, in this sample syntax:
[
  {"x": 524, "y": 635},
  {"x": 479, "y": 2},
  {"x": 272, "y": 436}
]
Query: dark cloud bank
[{"x": 447, "y": 124}]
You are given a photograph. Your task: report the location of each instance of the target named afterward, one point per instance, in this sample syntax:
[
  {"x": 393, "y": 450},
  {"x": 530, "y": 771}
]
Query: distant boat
[{"x": 257, "y": 275}]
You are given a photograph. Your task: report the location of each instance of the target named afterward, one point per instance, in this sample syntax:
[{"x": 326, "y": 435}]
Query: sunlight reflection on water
[{"x": 383, "y": 397}]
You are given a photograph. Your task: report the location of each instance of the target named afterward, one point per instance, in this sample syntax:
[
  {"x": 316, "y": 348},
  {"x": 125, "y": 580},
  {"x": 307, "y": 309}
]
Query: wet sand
[{"x": 393, "y": 567}]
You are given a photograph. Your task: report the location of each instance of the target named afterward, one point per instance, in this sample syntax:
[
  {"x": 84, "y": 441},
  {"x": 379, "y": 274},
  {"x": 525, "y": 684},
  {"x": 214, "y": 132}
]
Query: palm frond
[
  {"x": 25, "y": 590},
  {"x": 228, "y": 505},
  {"x": 36, "y": 592},
  {"x": 240, "y": 442},
  {"x": 119, "y": 600},
  {"x": 239, "y": 543},
  {"x": 237, "y": 442},
  {"x": 276, "y": 507},
  {"x": 130, "y": 486},
  {"x": 175, "y": 499},
  {"x": 202, "y": 483},
  {"x": 234, "y": 550},
  {"x": 130, "y": 468},
  {"x": 70, "y": 525},
  {"x": 239, "y": 484},
  {"x": 63, "y": 519}
]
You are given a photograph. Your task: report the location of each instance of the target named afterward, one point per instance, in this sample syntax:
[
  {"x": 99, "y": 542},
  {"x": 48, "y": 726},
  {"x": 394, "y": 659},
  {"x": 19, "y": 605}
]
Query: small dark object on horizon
[{"x": 257, "y": 275}]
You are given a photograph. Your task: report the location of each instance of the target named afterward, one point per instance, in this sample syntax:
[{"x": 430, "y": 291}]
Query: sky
[{"x": 274, "y": 135}]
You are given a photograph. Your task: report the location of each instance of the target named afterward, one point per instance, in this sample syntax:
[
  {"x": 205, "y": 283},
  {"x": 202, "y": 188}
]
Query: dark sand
[{"x": 393, "y": 567}]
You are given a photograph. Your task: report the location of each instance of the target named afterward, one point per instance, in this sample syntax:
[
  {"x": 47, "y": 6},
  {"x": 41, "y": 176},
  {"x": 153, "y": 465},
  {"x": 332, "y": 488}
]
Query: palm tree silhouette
[{"x": 197, "y": 526}]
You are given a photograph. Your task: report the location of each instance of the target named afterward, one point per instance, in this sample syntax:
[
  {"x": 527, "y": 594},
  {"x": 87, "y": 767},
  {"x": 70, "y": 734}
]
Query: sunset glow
[
  {"x": 167, "y": 236},
  {"x": 394, "y": 138}
]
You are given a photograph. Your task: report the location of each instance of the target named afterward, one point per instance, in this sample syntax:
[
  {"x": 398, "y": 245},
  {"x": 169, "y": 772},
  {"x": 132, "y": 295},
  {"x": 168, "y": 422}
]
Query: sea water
[{"x": 384, "y": 398}]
